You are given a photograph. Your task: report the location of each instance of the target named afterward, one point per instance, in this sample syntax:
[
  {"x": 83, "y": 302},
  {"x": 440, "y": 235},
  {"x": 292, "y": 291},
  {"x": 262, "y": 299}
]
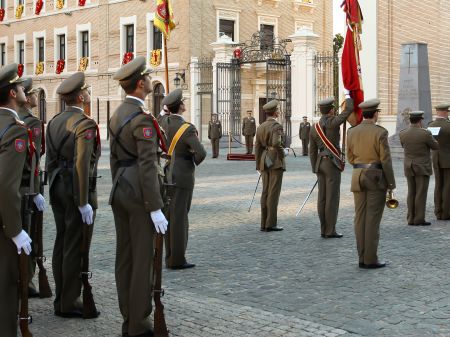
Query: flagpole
[{"x": 167, "y": 22}]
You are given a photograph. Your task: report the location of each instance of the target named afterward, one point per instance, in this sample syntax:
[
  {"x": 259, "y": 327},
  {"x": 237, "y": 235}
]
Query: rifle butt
[
  {"x": 24, "y": 331},
  {"x": 44, "y": 286},
  {"x": 160, "y": 327},
  {"x": 89, "y": 309},
  {"x": 24, "y": 318}
]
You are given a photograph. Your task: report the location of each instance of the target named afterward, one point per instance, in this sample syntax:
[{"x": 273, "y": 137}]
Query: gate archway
[{"x": 262, "y": 48}]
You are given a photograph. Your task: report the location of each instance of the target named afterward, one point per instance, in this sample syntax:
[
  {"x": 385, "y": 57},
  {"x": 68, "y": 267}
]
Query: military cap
[
  {"x": 326, "y": 104},
  {"x": 8, "y": 75},
  {"x": 174, "y": 98},
  {"x": 135, "y": 67},
  {"x": 416, "y": 114},
  {"x": 271, "y": 106},
  {"x": 370, "y": 105},
  {"x": 28, "y": 86},
  {"x": 72, "y": 83},
  {"x": 443, "y": 106}
]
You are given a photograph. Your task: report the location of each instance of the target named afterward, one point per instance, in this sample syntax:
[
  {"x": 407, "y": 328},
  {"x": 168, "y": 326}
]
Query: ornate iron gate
[
  {"x": 205, "y": 91},
  {"x": 327, "y": 69}
]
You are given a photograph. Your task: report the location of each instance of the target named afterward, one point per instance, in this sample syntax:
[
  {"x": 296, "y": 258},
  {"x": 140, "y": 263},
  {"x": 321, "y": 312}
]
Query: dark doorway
[
  {"x": 42, "y": 106},
  {"x": 262, "y": 115},
  {"x": 158, "y": 96}
]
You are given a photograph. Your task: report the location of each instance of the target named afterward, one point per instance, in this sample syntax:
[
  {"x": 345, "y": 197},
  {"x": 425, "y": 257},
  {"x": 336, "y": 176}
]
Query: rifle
[
  {"x": 160, "y": 326},
  {"x": 24, "y": 318},
  {"x": 253, "y": 198},
  {"x": 44, "y": 286},
  {"x": 307, "y": 197},
  {"x": 89, "y": 309}
]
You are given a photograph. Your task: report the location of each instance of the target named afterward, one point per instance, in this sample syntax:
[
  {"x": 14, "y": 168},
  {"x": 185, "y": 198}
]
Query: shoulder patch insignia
[
  {"x": 89, "y": 134},
  {"x": 36, "y": 132},
  {"x": 20, "y": 145},
  {"x": 148, "y": 133}
]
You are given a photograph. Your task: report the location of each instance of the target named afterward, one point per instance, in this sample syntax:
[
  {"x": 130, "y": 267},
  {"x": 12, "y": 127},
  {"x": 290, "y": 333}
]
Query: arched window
[
  {"x": 158, "y": 95},
  {"x": 42, "y": 106}
]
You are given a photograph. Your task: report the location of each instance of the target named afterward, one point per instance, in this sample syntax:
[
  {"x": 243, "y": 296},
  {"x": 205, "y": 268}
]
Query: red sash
[{"x": 335, "y": 152}]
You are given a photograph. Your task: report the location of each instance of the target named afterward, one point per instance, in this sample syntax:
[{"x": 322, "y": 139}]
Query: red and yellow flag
[{"x": 163, "y": 18}]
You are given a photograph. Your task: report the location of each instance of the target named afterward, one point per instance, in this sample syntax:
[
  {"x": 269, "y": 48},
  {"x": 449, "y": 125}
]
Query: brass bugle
[{"x": 391, "y": 202}]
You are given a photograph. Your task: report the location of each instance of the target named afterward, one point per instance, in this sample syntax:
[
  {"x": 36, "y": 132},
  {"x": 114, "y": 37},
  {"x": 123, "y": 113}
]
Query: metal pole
[
  {"x": 98, "y": 110},
  {"x": 107, "y": 118}
]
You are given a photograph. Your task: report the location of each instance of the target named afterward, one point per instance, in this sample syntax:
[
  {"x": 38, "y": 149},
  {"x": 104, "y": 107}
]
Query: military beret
[
  {"x": 326, "y": 104},
  {"x": 174, "y": 98},
  {"x": 72, "y": 83},
  {"x": 271, "y": 106},
  {"x": 370, "y": 105},
  {"x": 8, "y": 75},
  {"x": 135, "y": 67},
  {"x": 416, "y": 114},
  {"x": 443, "y": 106},
  {"x": 28, "y": 86}
]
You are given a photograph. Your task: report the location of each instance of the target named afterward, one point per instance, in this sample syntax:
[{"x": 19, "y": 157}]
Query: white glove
[
  {"x": 160, "y": 221},
  {"x": 22, "y": 241},
  {"x": 39, "y": 201},
  {"x": 347, "y": 93},
  {"x": 286, "y": 151},
  {"x": 87, "y": 214}
]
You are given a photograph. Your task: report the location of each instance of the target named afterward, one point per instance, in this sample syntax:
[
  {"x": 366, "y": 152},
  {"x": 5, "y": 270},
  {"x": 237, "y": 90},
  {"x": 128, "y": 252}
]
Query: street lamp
[{"x": 178, "y": 78}]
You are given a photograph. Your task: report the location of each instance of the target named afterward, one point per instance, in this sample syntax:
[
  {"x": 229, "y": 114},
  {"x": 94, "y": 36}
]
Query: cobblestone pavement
[{"x": 290, "y": 283}]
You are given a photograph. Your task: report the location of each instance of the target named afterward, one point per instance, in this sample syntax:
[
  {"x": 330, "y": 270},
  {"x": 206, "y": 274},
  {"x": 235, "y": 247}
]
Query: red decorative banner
[
  {"x": 20, "y": 69},
  {"x": 81, "y": 2},
  {"x": 60, "y": 66},
  {"x": 39, "y": 4},
  {"x": 127, "y": 57},
  {"x": 237, "y": 53},
  {"x": 2, "y": 14}
]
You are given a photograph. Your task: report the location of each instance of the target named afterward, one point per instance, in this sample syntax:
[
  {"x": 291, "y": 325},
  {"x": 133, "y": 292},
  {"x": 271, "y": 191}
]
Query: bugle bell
[{"x": 391, "y": 202}]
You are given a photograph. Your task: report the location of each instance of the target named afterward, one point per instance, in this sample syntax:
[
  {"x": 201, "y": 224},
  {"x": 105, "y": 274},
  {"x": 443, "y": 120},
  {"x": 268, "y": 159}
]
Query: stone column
[
  {"x": 303, "y": 78},
  {"x": 195, "y": 98}
]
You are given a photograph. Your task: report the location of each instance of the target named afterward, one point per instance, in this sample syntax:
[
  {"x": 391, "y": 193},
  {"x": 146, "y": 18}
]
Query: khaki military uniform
[
  {"x": 368, "y": 144},
  {"x": 71, "y": 162},
  {"x": 249, "y": 131},
  {"x": 35, "y": 126},
  {"x": 215, "y": 133},
  {"x": 13, "y": 157},
  {"x": 188, "y": 153},
  {"x": 270, "y": 162},
  {"x": 303, "y": 132},
  {"x": 326, "y": 166},
  {"x": 135, "y": 193},
  {"x": 441, "y": 166},
  {"x": 417, "y": 143}
]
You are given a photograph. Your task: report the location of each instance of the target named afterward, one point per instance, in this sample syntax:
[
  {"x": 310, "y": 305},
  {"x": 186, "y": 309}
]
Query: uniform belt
[
  {"x": 127, "y": 162},
  {"x": 368, "y": 166},
  {"x": 65, "y": 164}
]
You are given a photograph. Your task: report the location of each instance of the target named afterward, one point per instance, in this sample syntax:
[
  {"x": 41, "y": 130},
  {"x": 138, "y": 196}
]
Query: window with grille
[
  {"x": 41, "y": 49},
  {"x": 61, "y": 40},
  {"x": 129, "y": 38},
  {"x": 2, "y": 54},
  {"x": 226, "y": 27},
  {"x": 21, "y": 52},
  {"x": 267, "y": 37},
  {"x": 85, "y": 44},
  {"x": 156, "y": 42}
]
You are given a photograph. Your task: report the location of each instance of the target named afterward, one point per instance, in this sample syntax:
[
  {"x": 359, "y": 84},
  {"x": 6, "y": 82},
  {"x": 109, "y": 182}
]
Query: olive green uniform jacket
[
  {"x": 215, "y": 133},
  {"x": 368, "y": 144},
  {"x": 441, "y": 166},
  {"x": 188, "y": 153},
  {"x": 249, "y": 131},
  {"x": 303, "y": 132},
  {"x": 13, "y": 158},
  {"x": 417, "y": 143},
  {"x": 270, "y": 162},
  {"x": 326, "y": 167},
  {"x": 136, "y": 192},
  {"x": 71, "y": 167}
]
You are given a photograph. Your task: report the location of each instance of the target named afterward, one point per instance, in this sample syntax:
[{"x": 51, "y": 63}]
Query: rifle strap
[{"x": 334, "y": 151}]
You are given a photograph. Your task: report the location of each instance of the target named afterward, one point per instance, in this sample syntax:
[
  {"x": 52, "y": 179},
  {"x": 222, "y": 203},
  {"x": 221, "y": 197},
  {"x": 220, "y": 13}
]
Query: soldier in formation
[
  {"x": 249, "y": 131},
  {"x": 185, "y": 152},
  {"x": 327, "y": 162},
  {"x": 14, "y": 156},
  {"x": 303, "y": 132},
  {"x": 72, "y": 155},
  {"x": 135, "y": 198},
  {"x": 214, "y": 133},
  {"x": 35, "y": 125},
  {"x": 270, "y": 163},
  {"x": 441, "y": 163},
  {"x": 368, "y": 151},
  {"x": 417, "y": 143}
]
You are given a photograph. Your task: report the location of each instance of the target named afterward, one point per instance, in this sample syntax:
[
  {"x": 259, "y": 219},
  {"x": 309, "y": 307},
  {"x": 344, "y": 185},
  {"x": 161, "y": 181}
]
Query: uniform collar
[
  {"x": 74, "y": 108},
  {"x": 178, "y": 116},
  {"x": 13, "y": 112},
  {"x": 141, "y": 102}
]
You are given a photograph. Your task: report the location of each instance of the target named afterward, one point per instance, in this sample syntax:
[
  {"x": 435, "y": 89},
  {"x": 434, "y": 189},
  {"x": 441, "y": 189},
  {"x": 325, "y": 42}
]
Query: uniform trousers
[
  {"x": 134, "y": 259},
  {"x": 178, "y": 230},
  {"x": 271, "y": 180},
  {"x": 66, "y": 262},
  {"x": 215, "y": 147},
  {"x": 329, "y": 184},
  {"x": 305, "y": 144},
  {"x": 369, "y": 207},
  {"x": 441, "y": 193},
  {"x": 249, "y": 144},
  {"x": 417, "y": 198},
  {"x": 9, "y": 271}
]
